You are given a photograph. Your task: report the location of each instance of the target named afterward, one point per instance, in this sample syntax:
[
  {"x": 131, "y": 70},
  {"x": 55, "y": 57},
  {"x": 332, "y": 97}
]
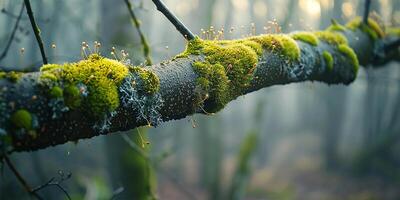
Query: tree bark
[{"x": 177, "y": 91}]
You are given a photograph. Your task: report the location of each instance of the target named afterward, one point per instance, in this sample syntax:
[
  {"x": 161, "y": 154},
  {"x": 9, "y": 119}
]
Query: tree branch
[
  {"x": 367, "y": 7},
  {"x": 21, "y": 179},
  {"x": 143, "y": 40},
  {"x": 174, "y": 20},
  {"x": 14, "y": 31},
  {"x": 35, "y": 30},
  {"x": 97, "y": 96}
]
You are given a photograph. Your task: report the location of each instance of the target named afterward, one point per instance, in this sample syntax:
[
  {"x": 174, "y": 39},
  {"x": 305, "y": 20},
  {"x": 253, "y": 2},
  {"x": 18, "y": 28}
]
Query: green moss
[
  {"x": 11, "y": 76},
  {"x": 56, "y": 92},
  {"x": 346, "y": 50},
  {"x": 279, "y": 43},
  {"x": 306, "y": 37},
  {"x": 102, "y": 77},
  {"x": 331, "y": 37},
  {"x": 22, "y": 119},
  {"x": 373, "y": 29},
  {"x": 213, "y": 83},
  {"x": 47, "y": 76},
  {"x": 228, "y": 65},
  {"x": 194, "y": 47},
  {"x": 335, "y": 26},
  {"x": 151, "y": 82},
  {"x": 72, "y": 96},
  {"x": 328, "y": 60},
  {"x": 49, "y": 67}
]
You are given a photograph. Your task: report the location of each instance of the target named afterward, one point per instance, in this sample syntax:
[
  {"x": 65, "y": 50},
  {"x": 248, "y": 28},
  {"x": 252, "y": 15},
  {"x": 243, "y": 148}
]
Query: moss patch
[
  {"x": 102, "y": 77},
  {"x": 335, "y": 26},
  {"x": 56, "y": 92},
  {"x": 346, "y": 50},
  {"x": 11, "y": 76},
  {"x": 331, "y": 37},
  {"x": 22, "y": 119},
  {"x": 306, "y": 37},
  {"x": 328, "y": 60},
  {"x": 228, "y": 66},
  {"x": 373, "y": 29},
  {"x": 150, "y": 81}
]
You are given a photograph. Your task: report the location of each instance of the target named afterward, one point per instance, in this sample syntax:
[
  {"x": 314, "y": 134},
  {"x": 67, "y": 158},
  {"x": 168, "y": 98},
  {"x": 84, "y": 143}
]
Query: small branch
[
  {"x": 21, "y": 179},
  {"x": 53, "y": 182},
  {"x": 174, "y": 20},
  {"x": 35, "y": 30},
  {"x": 366, "y": 11},
  {"x": 14, "y": 31},
  {"x": 143, "y": 40}
]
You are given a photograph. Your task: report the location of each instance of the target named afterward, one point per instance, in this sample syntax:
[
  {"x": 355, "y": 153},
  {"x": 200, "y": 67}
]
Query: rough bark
[{"x": 177, "y": 96}]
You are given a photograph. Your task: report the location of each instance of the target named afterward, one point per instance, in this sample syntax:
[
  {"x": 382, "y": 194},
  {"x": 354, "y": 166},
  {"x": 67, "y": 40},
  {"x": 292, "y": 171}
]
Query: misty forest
[{"x": 200, "y": 99}]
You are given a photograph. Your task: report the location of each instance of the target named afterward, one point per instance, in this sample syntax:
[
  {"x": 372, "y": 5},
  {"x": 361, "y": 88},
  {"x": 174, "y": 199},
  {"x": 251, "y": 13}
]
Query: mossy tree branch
[{"x": 96, "y": 96}]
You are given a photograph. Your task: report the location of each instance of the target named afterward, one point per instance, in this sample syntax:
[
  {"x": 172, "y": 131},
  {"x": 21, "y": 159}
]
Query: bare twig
[
  {"x": 35, "y": 30},
  {"x": 174, "y": 20},
  {"x": 21, "y": 179},
  {"x": 366, "y": 11},
  {"x": 14, "y": 31},
  {"x": 53, "y": 182},
  {"x": 143, "y": 40}
]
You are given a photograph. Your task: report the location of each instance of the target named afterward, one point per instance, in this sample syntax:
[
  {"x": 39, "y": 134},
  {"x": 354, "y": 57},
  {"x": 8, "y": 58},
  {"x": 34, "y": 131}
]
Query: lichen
[
  {"x": 331, "y": 37},
  {"x": 146, "y": 106},
  {"x": 22, "y": 119},
  {"x": 346, "y": 50},
  {"x": 328, "y": 60},
  {"x": 306, "y": 37},
  {"x": 373, "y": 29}
]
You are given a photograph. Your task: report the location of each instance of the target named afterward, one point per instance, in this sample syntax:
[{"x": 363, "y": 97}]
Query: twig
[
  {"x": 8, "y": 45},
  {"x": 366, "y": 11},
  {"x": 143, "y": 40},
  {"x": 35, "y": 30},
  {"x": 174, "y": 20},
  {"x": 21, "y": 179},
  {"x": 53, "y": 182}
]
